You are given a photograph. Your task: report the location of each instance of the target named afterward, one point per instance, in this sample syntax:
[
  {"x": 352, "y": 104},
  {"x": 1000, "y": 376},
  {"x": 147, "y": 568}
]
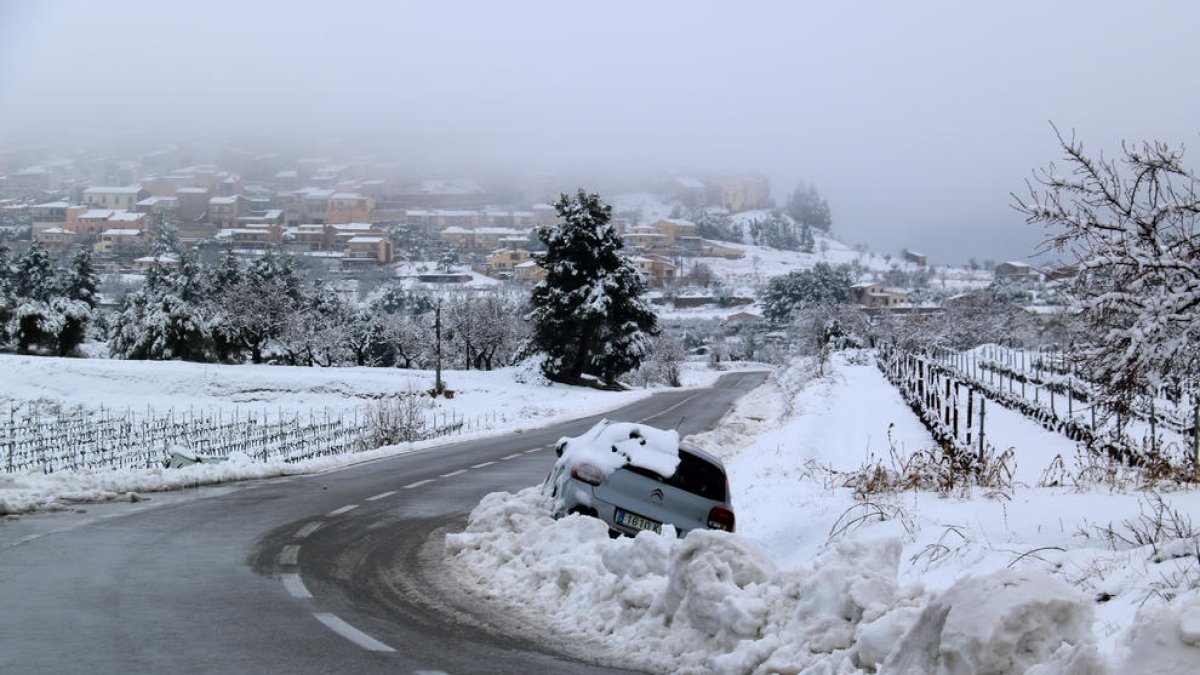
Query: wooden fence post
[
  {"x": 12, "y": 437},
  {"x": 955, "y": 411},
  {"x": 982, "y": 415},
  {"x": 1196, "y": 434},
  {"x": 970, "y": 412},
  {"x": 947, "y": 401}
]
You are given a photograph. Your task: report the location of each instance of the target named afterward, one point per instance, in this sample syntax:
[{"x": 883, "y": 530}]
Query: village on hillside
[{"x": 361, "y": 218}]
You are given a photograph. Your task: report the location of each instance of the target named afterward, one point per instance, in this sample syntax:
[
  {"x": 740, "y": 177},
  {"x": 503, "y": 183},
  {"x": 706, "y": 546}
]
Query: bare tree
[
  {"x": 1130, "y": 226},
  {"x": 405, "y": 338},
  {"x": 254, "y": 314}
]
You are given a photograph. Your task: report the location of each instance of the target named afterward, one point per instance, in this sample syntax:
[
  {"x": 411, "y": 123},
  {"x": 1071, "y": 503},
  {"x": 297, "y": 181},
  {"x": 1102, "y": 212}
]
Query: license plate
[{"x": 637, "y": 522}]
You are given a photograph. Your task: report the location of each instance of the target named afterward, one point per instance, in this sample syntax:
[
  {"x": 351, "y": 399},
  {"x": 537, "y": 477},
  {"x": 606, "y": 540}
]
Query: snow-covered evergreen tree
[
  {"x": 32, "y": 325},
  {"x": 823, "y": 284},
  {"x": 8, "y": 298},
  {"x": 81, "y": 282},
  {"x": 807, "y": 207},
  {"x": 34, "y": 275},
  {"x": 6, "y": 269},
  {"x": 716, "y": 226},
  {"x": 807, "y": 241},
  {"x": 227, "y": 272},
  {"x": 155, "y": 322},
  {"x": 588, "y": 315},
  {"x": 70, "y": 325},
  {"x": 775, "y": 231}
]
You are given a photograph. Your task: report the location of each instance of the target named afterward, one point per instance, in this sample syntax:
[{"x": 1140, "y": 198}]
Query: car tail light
[
  {"x": 721, "y": 518},
  {"x": 587, "y": 473}
]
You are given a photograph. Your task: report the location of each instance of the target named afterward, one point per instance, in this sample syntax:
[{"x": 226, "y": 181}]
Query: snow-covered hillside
[
  {"x": 760, "y": 263},
  {"x": 1014, "y": 579}
]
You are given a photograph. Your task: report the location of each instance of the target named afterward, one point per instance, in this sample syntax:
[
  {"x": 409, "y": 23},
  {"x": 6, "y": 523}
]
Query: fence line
[
  {"x": 107, "y": 439},
  {"x": 934, "y": 385}
]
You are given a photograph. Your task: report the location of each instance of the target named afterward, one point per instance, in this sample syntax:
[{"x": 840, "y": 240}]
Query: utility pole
[{"x": 438, "y": 385}]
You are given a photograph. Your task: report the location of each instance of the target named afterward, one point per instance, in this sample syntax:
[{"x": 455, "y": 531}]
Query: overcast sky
[{"x": 915, "y": 119}]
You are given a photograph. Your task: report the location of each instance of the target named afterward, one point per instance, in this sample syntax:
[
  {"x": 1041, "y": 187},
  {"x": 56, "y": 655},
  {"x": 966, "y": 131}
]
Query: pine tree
[
  {"x": 81, "y": 282},
  {"x": 808, "y": 207},
  {"x": 588, "y": 314},
  {"x": 227, "y": 273},
  {"x": 165, "y": 241},
  {"x": 32, "y": 325},
  {"x": 807, "y": 241},
  {"x": 8, "y": 300},
  {"x": 6, "y": 269},
  {"x": 822, "y": 285},
  {"x": 34, "y": 275},
  {"x": 157, "y": 323},
  {"x": 72, "y": 318}
]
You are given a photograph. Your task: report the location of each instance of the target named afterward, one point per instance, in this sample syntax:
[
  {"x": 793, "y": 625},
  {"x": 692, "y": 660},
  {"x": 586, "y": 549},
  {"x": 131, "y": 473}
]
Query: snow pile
[
  {"x": 1003, "y": 622},
  {"x": 1166, "y": 639},
  {"x": 609, "y": 446},
  {"x": 716, "y": 602}
]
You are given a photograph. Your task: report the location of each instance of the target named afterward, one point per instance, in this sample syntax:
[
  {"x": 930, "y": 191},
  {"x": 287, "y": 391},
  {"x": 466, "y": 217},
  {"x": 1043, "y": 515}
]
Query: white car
[{"x": 636, "y": 477}]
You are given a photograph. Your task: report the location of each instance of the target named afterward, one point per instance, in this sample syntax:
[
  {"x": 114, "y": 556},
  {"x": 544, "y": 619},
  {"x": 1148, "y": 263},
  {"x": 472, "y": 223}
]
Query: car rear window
[{"x": 694, "y": 475}]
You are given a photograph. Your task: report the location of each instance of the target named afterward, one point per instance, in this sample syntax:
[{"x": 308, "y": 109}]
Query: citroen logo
[{"x": 657, "y": 495}]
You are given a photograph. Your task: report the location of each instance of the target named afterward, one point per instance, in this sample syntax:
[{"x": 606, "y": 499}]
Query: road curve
[{"x": 331, "y": 573}]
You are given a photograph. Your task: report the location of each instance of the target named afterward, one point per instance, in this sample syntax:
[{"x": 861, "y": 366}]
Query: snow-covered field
[
  {"x": 496, "y": 401},
  {"x": 1023, "y": 579}
]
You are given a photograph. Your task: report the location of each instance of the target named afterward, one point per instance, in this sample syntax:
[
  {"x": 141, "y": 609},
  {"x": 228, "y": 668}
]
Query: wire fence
[
  {"x": 57, "y": 440},
  {"x": 950, "y": 392}
]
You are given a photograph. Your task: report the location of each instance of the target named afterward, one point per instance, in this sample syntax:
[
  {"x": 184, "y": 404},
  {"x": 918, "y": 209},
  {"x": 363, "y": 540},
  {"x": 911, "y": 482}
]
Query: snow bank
[
  {"x": 1003, "y": 622},
  {"x": 716, "y": 602},
  {"x": 1166, "y": 639}
]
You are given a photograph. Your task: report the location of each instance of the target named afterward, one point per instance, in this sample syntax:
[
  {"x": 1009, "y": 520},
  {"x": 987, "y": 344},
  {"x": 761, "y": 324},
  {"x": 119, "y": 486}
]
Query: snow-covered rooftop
[
  {"x": 457, "y": 186},
  {"x": 156, "y": 200},
  {"x": 123, "y": 190}
]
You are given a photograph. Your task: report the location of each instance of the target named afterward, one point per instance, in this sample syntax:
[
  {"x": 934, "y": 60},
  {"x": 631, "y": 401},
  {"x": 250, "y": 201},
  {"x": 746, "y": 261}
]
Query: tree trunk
[{"x": 583, "y": 348}]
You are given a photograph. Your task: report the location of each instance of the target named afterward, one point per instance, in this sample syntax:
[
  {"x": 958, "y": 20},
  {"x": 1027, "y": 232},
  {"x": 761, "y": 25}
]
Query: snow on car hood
[{"x": 611, "y": 445}]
